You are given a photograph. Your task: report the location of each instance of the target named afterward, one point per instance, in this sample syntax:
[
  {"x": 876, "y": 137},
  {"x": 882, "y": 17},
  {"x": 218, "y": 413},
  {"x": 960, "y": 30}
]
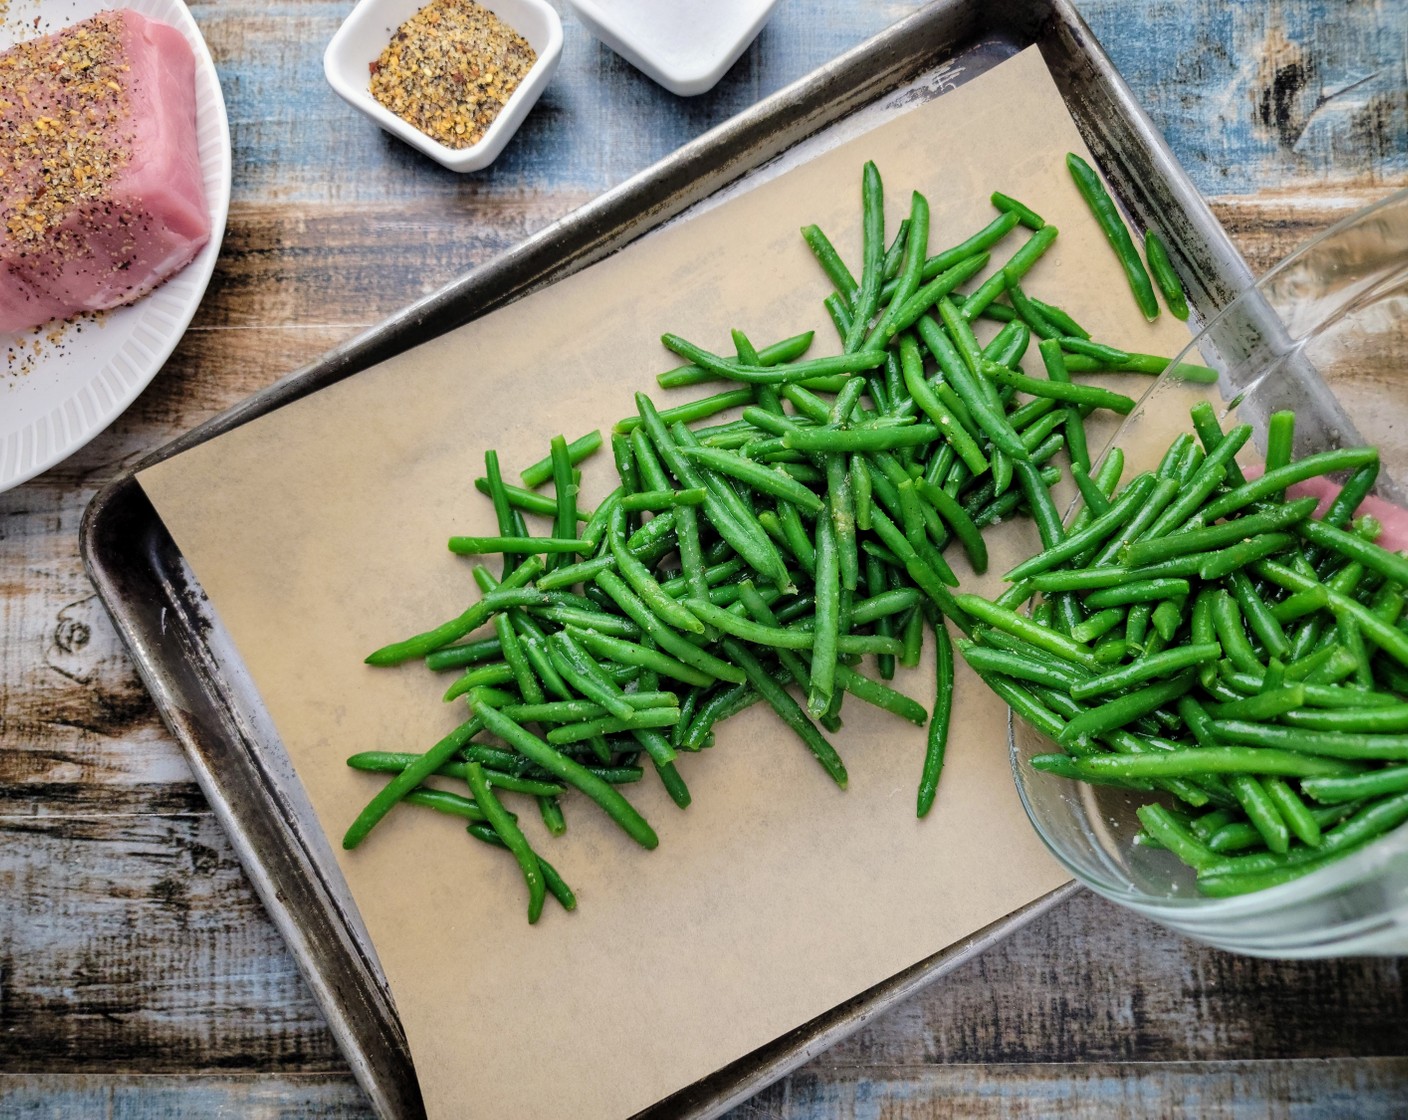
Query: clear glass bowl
[{"x": 1325, "y": 333}]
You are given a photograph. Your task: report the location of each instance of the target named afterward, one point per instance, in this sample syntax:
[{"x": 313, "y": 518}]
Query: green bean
[
  {"x": 1152, "y": 364},
  {"x": 528, "y": 501},
  {"x": 1374, "y": 783},
  {"x": 1390, "y": 565},
  {"x": 457, "y": 657},
  {"x": 932, "y": 404},
  {"x": 880, "y": 695},
  {"x": 554, "y": 762},
  {"x": 907, "y": 314},
  {"x": 830, "y": 261},
  {"x": 1027, "y": 216},
  {"x": 1393, "y": 716},
  {"x": 766, "y": 479},
  {"x": 585, "y": 675},
  {"x": 867, "y": 299},
  {"x": 517, "y": 659},
  {"x": 1164, "y": 275},
  {"x": 957, "y": 519},
  {"x": 1389, "y": 638},
  {"x": 1059, "y": 318},
  {"x": 729, "y": 516},
  {"x": 1171, "y": 834},
  {"x": 1331, "y": 744},
  {"x": 1197, "y": 761},
  {"x": 828, "y": 607},
  {"x": 1147, "y": 668},
  {"x": 565, "y": 491},
  {"x": 1109, "y": 355},
  {"x": 1097, "y": 624},
  {"x": 883, "y": 604},
  {"x": 1280, "y": 437},
  {"x": 979, "y": 242},
  {"x": 571, "y": 574},
  {"x": 442, "y": 801},
  {"x": 474, "y": 617},
  {"x": 910, "y": 274},
  {"x": 739, "y": 627},
  {"x": 895, "y": 253},
  {"x": 579, "y": 449},
  {"x": 1137, "y": 591},
  {"x": 1209, "y": 476},
  {"x": 1298, "y": 817},
  {"x": 1260, "y": 810},
  {"x": 823, "y": 440},
  {"x": 1124, "y": 709},
  {"x": 631, "y": 653},
  {"x": 1039, "y": 636},
  {"x": 912, "y": 639},
  {"x": 985, "y": 660},
  {"x": 991, "y": 420},
  {"x": 787, "y": 709},
  {"x": 1017, "y": 266},
  {"x": 609, "y": 725},
  {"x": 662, "y": 499},
  {"x": 1056, "y": 390},
  {"x": 1217, "y": 536},
  {"x": 937, "y": 739},
  {"x": 507, "y": 831},
  {"x": 784, "y": 351},
  {"x": 480, "y": 546},
  {"x": 1258, "y": 616},
  {"x": 408, "y": 779},
  {"x": 1130, "y": 500},
  {"x": 672, "y": 643},
  {"x": 1311, "y": 466},
  {"x": 1238, "y": 874},
  {"x": 1116, "y": 233},
  {"x": 1029, "y": 315},
  {"x": 779, "y": 374}
]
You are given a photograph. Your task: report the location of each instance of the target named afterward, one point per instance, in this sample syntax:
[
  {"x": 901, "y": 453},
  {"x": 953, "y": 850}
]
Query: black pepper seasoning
[{"x": 450, "y": 69}]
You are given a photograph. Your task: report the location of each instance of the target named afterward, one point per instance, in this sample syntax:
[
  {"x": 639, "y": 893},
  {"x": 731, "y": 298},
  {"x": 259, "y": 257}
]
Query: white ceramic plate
[{"x": 55, "y": 400}]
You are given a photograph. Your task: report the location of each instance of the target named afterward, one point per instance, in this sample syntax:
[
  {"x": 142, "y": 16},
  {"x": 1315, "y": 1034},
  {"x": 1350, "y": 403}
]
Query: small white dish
[
  {"x": 365, "y": 33},
  {"x": 685, "y": 45},
  {"x": 72, "y": 379}
]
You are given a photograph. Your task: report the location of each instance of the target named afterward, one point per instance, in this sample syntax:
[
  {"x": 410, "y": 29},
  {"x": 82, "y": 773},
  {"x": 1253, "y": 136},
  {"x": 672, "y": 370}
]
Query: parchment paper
[{"x": 319, "y": 533}]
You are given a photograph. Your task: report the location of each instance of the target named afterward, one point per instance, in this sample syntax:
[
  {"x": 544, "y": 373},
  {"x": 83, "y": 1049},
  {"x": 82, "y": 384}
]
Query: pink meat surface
[{"x": 101, "y": 191}]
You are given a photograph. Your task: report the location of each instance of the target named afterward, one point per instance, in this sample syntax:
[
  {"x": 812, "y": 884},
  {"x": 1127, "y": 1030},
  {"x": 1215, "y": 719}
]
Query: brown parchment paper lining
[{"x": 319, "y": 534}]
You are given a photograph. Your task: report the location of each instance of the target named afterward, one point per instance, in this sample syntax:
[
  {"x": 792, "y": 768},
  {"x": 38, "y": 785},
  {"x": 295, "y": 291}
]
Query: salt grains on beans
[{"x": 450, "y": 69}]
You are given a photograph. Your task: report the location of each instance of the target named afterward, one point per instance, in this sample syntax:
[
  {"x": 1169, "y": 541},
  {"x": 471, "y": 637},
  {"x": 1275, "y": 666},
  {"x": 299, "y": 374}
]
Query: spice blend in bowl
[
  {"x": 452, "y": 78},
  {"x": 450, "y": 69}
]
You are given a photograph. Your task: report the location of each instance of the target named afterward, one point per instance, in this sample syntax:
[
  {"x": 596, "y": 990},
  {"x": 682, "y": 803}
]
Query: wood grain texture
[{"x": 139, "y": 975}]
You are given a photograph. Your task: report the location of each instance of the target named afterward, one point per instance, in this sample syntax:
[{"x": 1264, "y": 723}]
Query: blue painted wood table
[{"x": 139, "y": 975}]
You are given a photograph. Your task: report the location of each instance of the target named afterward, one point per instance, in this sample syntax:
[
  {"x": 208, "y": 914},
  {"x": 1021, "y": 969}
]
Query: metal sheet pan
[{"x": 196, "y": 677}]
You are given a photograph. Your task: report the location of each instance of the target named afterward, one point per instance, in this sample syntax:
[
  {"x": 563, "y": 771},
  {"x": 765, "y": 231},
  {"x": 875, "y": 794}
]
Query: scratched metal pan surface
[{"x": 202, "y": 689}]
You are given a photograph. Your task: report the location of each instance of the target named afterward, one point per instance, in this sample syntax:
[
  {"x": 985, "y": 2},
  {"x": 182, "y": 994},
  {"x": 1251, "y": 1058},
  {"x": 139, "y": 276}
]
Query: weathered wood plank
[
  {"x": 1251, "y": 96},
  {"x": 1370, "y": 1090},
  {"x": 132, "y": 942},
  {"x": 1110, "y": 1091}
]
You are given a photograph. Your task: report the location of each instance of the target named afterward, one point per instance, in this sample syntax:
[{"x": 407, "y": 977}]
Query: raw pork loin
[{"x": 101, "y": 191}]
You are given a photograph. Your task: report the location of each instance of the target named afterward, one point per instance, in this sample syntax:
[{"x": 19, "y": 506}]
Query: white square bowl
[
  {"x": 365, "y": 33},
  {"x": 685, "y": 45}
]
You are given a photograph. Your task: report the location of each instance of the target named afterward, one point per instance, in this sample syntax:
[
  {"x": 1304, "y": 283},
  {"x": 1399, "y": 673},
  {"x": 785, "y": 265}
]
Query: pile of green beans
[
  {"x": 1205, "y": 636},
  {"x": 762, "y": 542}
]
